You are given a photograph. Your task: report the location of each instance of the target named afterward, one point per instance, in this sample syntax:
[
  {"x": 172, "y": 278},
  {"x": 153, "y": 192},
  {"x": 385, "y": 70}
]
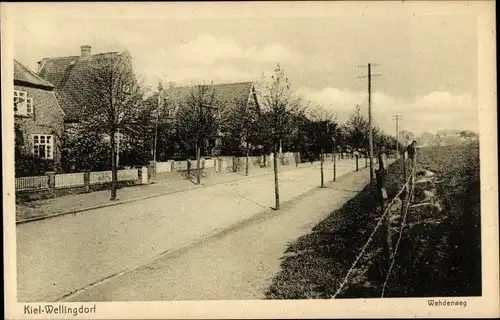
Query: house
[
  {"x": 71, "y": 77},
  {"x": 38, "y": 118},
  {"x": 228, "y": 95},
  {"x": 75, "y": 84}
]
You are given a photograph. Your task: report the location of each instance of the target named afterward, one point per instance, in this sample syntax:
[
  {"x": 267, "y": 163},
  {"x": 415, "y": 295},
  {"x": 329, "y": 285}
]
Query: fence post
[
  {"x": 143, "y": 175},
  {"x": 357, "y": 166},
  {"x": 414, "y": 164},
  {"x": 86, "y": 180},
  {"x": 405, "y": 175},
  {"x": 152, "y": 165},
  {"x": 139, "y": 175},
  {"x": 382, "y": 195},
  {"x": 51, "y": 180}
]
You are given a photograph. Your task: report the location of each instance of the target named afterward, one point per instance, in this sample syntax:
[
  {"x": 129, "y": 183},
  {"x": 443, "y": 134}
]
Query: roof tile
[
  {"x": 70, "y": 76},
  {"x": 26, "y": 75}
]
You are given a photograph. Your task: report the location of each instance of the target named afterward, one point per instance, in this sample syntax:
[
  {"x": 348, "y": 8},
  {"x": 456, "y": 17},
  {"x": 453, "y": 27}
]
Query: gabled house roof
[
  {"x": 25, "y": 76},
  {"x": 227, "y": 93},
  {"x": 41, "y": 90},
  {"x": 70, "y": 76}
]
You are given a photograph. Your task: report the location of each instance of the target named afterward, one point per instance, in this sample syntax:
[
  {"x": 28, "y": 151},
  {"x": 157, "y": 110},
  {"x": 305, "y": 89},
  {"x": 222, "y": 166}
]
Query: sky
[{"x": 428, "y": 63}]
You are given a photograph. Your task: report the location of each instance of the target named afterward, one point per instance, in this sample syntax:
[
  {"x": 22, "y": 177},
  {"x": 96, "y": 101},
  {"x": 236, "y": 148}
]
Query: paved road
[
  {"x": 66, "y": 254},
  {"x": 238, "y": 265}
]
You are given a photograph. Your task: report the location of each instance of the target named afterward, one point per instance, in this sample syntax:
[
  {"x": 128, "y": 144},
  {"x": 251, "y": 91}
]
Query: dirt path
[{"x": 238, "y": 264}]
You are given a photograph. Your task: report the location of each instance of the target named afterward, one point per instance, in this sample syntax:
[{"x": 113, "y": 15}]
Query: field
[{"x": 439, "y": 253}]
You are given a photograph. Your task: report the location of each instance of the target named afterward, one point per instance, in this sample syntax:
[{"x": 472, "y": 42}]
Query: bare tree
[
  {"x": 324, "y": 128},
  {"x": 197, "y": 121},
  {"x": 112, "y": 98},
  {"x": 239, "y": 126},
  {"x": 357, "y": 130},
  {"x": 278, "y": 112}
]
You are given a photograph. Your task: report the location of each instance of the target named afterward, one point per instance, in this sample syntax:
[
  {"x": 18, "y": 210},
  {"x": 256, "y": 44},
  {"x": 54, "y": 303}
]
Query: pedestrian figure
[{"x": 411, "y": 151}]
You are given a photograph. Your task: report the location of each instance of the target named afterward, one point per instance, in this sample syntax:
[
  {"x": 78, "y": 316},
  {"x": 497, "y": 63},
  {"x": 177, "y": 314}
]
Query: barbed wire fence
[{"x": 405, "y": 193}]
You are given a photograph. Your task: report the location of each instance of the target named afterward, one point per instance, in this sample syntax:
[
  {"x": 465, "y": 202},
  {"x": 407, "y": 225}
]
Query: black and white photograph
[{"x": 249, "y": 153}]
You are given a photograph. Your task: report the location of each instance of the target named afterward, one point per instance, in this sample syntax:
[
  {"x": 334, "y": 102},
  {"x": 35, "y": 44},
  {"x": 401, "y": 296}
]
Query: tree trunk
[
  {"x": 276, "y": 184},
  {"x": 197, "y": 163},
  {"x": 246, "y": 160},
  {"x": 114, "y": 173},
  {"x": 321, "y": 162},
  {"x": 334, "y": 156}
]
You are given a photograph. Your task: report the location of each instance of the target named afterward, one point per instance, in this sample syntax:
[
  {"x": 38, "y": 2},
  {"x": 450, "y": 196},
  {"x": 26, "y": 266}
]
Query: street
[{"x": 68, "y": 254}]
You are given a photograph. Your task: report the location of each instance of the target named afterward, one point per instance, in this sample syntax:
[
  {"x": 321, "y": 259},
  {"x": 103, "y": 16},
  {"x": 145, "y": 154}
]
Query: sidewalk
[{"x": 40, "y": 209}]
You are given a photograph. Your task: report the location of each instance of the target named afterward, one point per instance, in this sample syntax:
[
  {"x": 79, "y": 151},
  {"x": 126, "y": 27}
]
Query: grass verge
[{"x": 439, "y": 254}]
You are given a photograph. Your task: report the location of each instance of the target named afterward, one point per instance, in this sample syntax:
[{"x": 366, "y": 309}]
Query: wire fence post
[
  {"x": 414, "y": 164},
  {"x": 405, "y": 194},
  {"x": 382, "y": 195}
]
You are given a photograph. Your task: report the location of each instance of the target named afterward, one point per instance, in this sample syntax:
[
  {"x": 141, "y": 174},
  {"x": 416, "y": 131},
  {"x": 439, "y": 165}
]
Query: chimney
[
  {"x": 85, "y": 51},
  {"x": 41, "y": 64}
]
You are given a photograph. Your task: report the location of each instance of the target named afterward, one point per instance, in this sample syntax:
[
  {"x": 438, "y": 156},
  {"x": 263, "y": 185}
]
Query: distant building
[
  {"x": 227, "y": 93},
  {"x": 38, "y": 117}
]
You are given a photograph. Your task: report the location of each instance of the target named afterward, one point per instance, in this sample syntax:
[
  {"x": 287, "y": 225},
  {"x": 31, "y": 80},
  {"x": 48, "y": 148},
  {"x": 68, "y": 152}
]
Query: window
[
  {"x": 22, "y": 104},
  {"x": 43, "y": 146}
]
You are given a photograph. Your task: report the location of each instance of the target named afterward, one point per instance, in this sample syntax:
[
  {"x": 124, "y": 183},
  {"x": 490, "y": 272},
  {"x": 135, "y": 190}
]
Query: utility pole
[
  {"x": 161, "y": 102},
  {"x": 397, "y": 117},
  {"x": 370, "y": 128},
  {"x": 156, "y": 136}
]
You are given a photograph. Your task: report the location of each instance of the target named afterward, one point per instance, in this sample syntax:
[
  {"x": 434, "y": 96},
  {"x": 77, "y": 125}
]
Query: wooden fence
[
  {"x": 32, "y": 183},
  {"x": 70, "y": 180}
]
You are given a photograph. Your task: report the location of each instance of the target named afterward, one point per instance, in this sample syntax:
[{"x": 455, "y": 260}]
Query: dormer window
[{"x": 23, "y": 106}]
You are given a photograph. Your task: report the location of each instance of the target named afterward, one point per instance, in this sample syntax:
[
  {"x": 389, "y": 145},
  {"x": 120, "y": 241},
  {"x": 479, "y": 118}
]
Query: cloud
[
  {"x": 208, "y": 58},
  {"x": 207, "y": 49},
  {"x": 434, "y": 111},
  {"x": 189, "y": 75}
]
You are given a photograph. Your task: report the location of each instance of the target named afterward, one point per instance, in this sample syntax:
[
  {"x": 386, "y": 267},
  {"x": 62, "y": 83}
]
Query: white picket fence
[
  {"x": 105, "y": 176},
  {"x": 164, "y": 166},
  {"x": 100, "y": 177},
  {"x": 68, "y": 180},
  {"x": 36, "y": 183},
  {"x": 128, "y": 175}
]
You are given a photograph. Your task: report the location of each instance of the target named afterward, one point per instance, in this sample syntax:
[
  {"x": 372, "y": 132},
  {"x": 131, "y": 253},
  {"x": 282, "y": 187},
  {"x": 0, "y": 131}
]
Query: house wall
[{"x": 47, "y": 118}]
